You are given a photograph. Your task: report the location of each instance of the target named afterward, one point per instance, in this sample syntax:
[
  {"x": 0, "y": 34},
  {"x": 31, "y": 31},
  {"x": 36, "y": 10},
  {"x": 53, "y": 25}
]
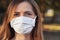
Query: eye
[
  {"x": 17, "y": 14},
  {"x": 28, "y": 13}
]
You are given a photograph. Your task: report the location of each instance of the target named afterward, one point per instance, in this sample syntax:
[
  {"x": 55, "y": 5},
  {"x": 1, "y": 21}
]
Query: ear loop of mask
[{"x": 35, "y": 20}]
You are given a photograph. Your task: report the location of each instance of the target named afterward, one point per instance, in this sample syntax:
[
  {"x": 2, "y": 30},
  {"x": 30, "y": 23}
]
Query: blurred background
[{"x": 50, "y": 15}]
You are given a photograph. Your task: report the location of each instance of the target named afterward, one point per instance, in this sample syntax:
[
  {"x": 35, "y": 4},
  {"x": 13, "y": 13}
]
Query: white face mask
[{"x": 23, "y": 25}]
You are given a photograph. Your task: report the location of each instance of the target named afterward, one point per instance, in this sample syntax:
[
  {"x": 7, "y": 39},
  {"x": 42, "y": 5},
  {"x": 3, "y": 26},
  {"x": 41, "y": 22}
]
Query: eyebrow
[
  {"x": 16, "y": 12},
  {"x": 27, "y": 12},
  {"x": 24, "y": 12}
]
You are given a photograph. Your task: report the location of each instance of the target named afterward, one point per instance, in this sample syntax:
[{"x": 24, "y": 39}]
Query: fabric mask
[{"x": 23, "y": 25}]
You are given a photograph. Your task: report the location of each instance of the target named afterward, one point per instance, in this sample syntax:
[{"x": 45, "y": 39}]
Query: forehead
[{"x": 24, "y": 6}]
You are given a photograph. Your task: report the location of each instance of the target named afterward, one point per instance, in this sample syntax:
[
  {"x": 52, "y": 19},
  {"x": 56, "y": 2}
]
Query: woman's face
[{"x": 23, "y": 9}]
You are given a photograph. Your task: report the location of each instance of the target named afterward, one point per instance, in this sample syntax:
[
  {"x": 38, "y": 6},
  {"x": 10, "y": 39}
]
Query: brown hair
[{"x": 6, "y": 32}]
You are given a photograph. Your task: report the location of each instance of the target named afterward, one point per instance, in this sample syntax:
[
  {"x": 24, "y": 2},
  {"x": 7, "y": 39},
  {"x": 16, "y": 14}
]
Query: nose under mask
[{"x": 23, "y": 25}]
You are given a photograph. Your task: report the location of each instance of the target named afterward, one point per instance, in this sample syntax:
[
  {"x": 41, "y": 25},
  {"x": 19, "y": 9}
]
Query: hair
[{"x": 7, "y": 33}]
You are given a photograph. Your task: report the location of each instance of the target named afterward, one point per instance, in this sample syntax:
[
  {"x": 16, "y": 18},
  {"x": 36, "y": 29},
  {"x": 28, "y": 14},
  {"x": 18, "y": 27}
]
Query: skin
[{"x": 23, "y": 9}]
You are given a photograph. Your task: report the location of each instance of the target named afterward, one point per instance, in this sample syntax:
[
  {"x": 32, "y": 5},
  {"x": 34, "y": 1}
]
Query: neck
[{"x": 22, "y": 36}]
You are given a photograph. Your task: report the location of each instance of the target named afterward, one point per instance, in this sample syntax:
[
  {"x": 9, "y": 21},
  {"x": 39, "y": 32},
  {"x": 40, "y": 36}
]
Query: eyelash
[
  {"x": 29, "y": 13},
  {"x": 16, "y": 14}
]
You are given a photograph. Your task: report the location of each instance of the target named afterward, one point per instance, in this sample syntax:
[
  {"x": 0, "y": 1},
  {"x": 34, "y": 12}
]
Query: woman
[{"x": 22, "y": 21}]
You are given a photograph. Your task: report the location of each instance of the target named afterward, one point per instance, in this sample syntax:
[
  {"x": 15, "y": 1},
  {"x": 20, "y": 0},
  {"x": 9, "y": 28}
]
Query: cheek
[
  {"x": 11, "y": 18},
  {"x": 32, "y": 16}
]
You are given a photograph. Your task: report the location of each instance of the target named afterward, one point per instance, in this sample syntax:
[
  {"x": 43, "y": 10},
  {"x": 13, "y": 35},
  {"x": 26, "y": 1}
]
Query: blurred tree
[
  {"x": 3, "y": 5},
  {"x": 42, "y": 4},
  {"x": 45, "y": 4}
]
